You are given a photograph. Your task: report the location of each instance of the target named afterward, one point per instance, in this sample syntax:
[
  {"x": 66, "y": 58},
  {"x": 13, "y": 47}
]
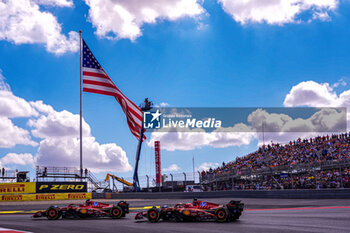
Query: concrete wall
[{"x": 291, "y": 194}]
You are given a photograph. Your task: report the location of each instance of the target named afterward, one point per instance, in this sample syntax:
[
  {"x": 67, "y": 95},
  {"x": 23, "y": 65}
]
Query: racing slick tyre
[
  {"x": 153, "y": 215},
  {"x": 221, "y": 215},
  {"x": 53, "y": 213},
  {"x": 125, "y": 207},
  {"x": 116, "y": 212}
]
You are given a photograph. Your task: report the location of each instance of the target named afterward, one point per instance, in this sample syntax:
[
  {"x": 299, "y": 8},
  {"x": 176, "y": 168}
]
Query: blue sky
[{"x": 213, "y": 54}]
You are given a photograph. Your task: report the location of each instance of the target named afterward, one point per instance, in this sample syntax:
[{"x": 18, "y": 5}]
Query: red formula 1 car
[
  {"x": 89, "y": 209},
  {"x": 197, "y": 211}
]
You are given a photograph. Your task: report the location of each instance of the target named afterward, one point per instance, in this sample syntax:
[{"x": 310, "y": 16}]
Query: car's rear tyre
[
  {"x": 153, "y": 215},
  {"x": 221, "y": 215},
  {"x": 53, "y": 213},
  {"x": 116, "y": 212}
]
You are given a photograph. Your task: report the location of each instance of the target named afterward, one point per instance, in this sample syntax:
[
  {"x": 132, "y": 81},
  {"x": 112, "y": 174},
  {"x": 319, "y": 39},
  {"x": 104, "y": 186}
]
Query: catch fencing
[{"x": 169, "y": 182}]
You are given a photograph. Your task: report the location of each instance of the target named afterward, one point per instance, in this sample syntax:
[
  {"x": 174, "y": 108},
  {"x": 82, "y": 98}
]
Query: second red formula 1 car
[
  {"x": 89, "y": 209},
  {"x": 197, "y": 211}
]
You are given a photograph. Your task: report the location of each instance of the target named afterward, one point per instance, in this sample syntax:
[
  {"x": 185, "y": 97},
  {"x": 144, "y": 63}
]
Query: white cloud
[
  {"x": 18, "y": 159},
  {"x": 277, "y": 11},
  {"x": 340, "y": 82},
  {"x": 324, "y": 120},
  {"x": 323, "y": 16},
  {"x": 41, "y": 107},
  {"x": 172, "y": 141},
  {"x": 283, "y": 128},
  {"x": 207, "y": 165},
  {"x": 310, "y": 93},
  {"x": 315, "y": 94},
  {"x": 238, "y": 135},
  {"x": 13, "y": 106},
  {"x": 61, "y": 145},
  {"x": 163, "y": 104},
  {"x": 22, "y": 22},
  {"x": 59, "y": 3},
  {"x": 171, "y": 168},
  {"x": 196, "y": 138},
  {"x": 57, "y": 124},
  {"x": 3, "y": 85},
  {"x": 12, "y": 135},
  {"x": 96, "y": 157},
  {"x": 115, "y": 19}
]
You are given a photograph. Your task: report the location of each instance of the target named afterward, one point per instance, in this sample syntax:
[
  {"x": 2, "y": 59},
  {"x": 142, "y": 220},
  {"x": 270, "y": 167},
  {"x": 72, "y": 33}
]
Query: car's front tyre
[
  {"x": 53, "y": 213},
  {"x": 153, "y": 215}
]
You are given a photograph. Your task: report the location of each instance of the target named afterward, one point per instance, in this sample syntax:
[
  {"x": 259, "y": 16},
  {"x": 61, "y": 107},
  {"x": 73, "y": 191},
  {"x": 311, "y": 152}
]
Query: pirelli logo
[
  {"x": 16, "y": 188},
  {"x": 12, "y": 198},
  {"x": 77, "y": 196},
  {"x": 61, "y": 187},
  {"x": 12, "y": 188},
  {"x": 41, "y": 197},
  {"x": 45, "y": 197}
]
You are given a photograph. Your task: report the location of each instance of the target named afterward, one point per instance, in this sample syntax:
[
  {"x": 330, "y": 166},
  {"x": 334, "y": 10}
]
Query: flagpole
[{"x": 81, "y": 111}]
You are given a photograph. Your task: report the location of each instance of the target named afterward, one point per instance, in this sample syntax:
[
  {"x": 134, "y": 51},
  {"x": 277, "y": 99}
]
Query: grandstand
[{"x": 317, "y": 163}]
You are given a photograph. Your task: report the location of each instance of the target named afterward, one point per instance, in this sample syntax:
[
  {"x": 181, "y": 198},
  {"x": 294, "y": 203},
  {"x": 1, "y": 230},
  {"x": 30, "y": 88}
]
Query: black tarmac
[{"x": 261, "y": 215}]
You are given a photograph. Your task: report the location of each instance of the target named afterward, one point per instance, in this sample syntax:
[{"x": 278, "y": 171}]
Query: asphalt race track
[{"x": 261, "y": 215}]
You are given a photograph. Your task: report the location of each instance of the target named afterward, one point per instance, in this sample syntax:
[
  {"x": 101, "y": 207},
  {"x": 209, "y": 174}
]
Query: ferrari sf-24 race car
[
  {"x": 89, "y": 209},
  {"x": 197, "y": 211}
]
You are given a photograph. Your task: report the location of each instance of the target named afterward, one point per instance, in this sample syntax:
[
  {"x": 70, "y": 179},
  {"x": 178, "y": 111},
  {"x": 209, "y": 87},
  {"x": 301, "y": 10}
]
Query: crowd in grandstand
[{"x": 307, "y": 152}]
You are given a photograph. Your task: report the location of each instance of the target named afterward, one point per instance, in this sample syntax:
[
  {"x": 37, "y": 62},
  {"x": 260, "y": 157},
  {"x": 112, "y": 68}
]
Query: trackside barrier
[
  {"x": 11, "y": 188},
  {"x": 275, "y": 194},
  {"x": 43, "y": 187},
  {"x": 61, "y": 187},
  {"x": 45, "y": 197}
]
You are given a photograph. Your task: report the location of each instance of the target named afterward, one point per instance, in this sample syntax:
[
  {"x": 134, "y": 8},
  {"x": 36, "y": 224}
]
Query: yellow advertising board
[
  {"x": 45, "y": 197},
  {"x": 10, "y": 188}
]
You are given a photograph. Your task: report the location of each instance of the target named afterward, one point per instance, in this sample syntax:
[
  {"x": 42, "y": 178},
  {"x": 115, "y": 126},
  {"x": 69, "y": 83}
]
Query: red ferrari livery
[
  {"x": 89, "y": 209},
  {"x": 197, "y": 211}
]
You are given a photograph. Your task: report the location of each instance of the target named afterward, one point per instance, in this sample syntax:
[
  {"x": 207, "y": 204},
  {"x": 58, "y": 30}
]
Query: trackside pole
[
  {"x": 136, "y": 183},
  {"x": 81, "y": 112}
]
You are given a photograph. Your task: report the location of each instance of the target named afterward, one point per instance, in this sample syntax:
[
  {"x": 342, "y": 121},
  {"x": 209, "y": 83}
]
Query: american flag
[{"x": 96, "y": 80}]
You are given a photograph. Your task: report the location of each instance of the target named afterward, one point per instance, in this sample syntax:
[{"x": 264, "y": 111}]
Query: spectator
[{"x": 309, "y": 153}]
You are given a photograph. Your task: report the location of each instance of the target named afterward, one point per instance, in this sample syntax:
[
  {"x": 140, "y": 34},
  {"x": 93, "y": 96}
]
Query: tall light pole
[{"x": 146, "y": 106}]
